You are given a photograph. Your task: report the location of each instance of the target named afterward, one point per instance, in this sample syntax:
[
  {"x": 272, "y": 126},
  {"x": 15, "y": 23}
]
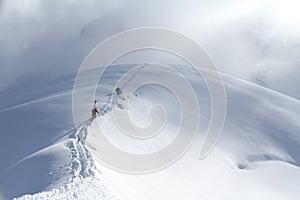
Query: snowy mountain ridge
[
  {"x": 83, "y": 181},
  {"x": 257, "y": 152}
]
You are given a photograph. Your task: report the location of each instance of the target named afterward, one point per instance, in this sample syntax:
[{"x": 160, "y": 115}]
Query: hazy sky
[{"x": 254, "y": 40}]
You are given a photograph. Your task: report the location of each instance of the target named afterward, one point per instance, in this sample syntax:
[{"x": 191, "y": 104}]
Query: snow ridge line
[
  {"x": 82, "y": 164},
  {"x": 88, "y": 188},
  {"x": 81, "y": 167},
  {"x": 83, "y": 183}
]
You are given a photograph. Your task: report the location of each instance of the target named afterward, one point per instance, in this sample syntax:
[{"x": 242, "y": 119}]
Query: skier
[
  {"x": 118, "y": 91},
  {"x": 94, "y": 111}
]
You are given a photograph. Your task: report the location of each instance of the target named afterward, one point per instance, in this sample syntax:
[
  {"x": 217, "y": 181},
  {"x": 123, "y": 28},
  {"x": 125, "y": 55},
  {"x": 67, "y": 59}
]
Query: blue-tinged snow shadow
[{"x": 24, "y": 131}]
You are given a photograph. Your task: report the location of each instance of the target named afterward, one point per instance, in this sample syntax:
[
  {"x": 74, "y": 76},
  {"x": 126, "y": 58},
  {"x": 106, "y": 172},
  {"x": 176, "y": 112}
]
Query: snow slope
[
  {"x": 41, "y": 151},
  {"x": 76, "y": 179},
  {"x": 257, "y": 156}
]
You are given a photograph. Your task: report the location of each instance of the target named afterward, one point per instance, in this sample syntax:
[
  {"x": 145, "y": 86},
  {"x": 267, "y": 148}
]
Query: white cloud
[
  {"x": 249, "y": 41},
  {"x": 254, "y": 40}
]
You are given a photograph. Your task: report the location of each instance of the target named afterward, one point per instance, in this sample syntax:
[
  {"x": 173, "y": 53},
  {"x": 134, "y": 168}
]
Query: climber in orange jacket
[{"x": 94, "y": 111}]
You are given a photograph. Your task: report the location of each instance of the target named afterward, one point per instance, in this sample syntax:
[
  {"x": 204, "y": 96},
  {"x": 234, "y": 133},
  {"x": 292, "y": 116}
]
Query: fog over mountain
[{"x": 257, "y": 41}]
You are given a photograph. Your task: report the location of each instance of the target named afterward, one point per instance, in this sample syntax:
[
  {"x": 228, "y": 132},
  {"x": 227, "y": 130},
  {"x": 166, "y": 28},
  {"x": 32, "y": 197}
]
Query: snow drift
[{"x": 257, "y": 156}]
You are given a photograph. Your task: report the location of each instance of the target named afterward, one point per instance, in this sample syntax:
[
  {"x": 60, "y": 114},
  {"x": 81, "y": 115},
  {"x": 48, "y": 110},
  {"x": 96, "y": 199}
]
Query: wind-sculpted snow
[
  {"x": 82, "y": 164},
  {"x": 43, "y": 157},
  {"x": 257, "y": 150},
  {"x": 82, "y": 182},
  {"x": 89, "y": 188}
]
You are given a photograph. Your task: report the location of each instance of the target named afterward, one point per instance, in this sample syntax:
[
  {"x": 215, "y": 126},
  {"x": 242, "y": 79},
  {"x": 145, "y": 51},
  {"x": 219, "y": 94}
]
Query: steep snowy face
[
  {"x": 258, "y": 148},
  {"x": 261, "y": 124},
  {"x": 264, "y": 123},
  {"x": 257, "y": 153},
  {"x": 40, "y": 148},
  {"x": 76, "y": 177}
]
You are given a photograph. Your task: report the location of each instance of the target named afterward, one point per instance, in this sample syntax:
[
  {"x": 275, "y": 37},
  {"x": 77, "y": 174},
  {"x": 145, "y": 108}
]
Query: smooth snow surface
[{"x": 44, "y": 157}]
